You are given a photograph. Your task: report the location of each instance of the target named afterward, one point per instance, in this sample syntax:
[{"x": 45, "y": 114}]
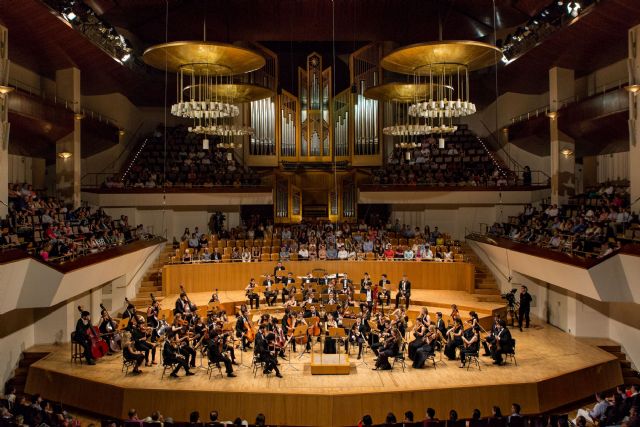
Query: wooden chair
[
  {"x": 275, "y": 257},
  {"x": 77, "y": 351},
  {"x": 126, "y": 364},
  {"x": 214, "y": 365},
  {"x": 399, "y": 357},
  {"x": 265, "y": 257}
]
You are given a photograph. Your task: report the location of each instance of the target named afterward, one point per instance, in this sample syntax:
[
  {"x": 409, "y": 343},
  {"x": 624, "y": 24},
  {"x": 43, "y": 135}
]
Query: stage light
[
  {"x": 126, "y": 57},
  {"x": 70, "y": 16},
  {"x": 573, "y": 8}
]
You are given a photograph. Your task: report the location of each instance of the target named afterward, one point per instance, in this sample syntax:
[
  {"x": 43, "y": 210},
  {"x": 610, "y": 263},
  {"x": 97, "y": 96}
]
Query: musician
[
  {"x": 440, "y": 325},
  {"x": 384, "y": 293},
  {"x": 289, "y": 286},
  {"x": 269, "y": 294},
  {"x": 265, "y": 355},
  {"x": 455, "y": 314},
  {"x": 107, "y": 328},
  {"x": 368, "y": 292},
  {"x": 130, "y": 353},
  {"x": 525, "y": 307},
  {"x": 129, "y": 312},
  {"x": 424, "y": 316},
  {"x": 242, "y": 326},
  {"x": 329, "y": 342},
  {"x": 490, "y": 341},
  {"x": 81, "y": 336},
  {"x": 183, "y": 305},
  {"x": 276, "y": 272},
  {"x": 364, "y": 282},
  {"x": 141, "y": 343},
  {"x": 214, "y": 297},
  {"x": 251, "y": 295},
  {"x": 280, "y": 337},
  {"x": 215, "y": 348},
  {"x": 504, "y": 343},
  {"x": 390, "y": 348},
  {"x": 357, "y": 335},
  {"x": 429, "y": 344},
  {"x": 454, "y": 339},
  {"x": 346, "y": 285},
  {"x": 299, "y": 320},
  {"x": 404, "y": 291},
  {"x": 470, "y": 345},
  {"x": 185, "y": 348},
  {"x": 291, "y": 302},
  {"x": 170, "y": 355}
]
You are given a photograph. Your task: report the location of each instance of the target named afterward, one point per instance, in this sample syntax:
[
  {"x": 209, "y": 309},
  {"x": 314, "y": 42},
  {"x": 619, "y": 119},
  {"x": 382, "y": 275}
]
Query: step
[
  {"x": 611, "y": 348},
  {"x": 628, "y": 372},
  {"x": 625, "y": 364},
  {"x": 491, "y": 291},
  {"x": 483, "y": 285},
  {"x": 488, "y": 298},
  {"x": 620, "y": 355},
  {"x": 631, "y": 380}
]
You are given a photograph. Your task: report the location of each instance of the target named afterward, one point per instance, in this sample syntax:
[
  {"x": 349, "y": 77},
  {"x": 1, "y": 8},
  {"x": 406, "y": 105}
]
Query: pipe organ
[
  {"x": 288, "y": 125},
  {"x": 315, "y": 100},
  {"x": 263, "y": 140},
  {"x": 341, "y": 107}
]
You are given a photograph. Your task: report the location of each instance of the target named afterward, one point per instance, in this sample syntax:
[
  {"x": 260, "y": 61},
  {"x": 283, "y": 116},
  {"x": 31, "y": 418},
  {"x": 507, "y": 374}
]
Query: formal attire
[
  {"x": 404, "y": 289},
  {"x": 269, "y": 294},
  {"x": 524, "y": 309},
  {"x": 216, "y": 356},
  {"x": 504, "y": 344},
  {"x": 80, "y": 336}
]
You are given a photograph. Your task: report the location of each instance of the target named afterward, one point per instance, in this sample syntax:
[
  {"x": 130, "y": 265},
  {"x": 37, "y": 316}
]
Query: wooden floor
[{"x": 553, "y": 369}]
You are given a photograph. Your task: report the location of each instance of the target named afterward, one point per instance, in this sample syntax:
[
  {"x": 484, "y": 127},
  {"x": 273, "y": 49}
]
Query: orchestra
[{"x": 325, "y": 304}]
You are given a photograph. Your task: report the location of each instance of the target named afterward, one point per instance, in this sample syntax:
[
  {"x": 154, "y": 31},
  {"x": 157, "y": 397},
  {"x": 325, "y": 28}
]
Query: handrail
[
  {"x": 68, "y": 105},
  {"x": 501, "y": 147},
  {"x": 124, "y": 149}
]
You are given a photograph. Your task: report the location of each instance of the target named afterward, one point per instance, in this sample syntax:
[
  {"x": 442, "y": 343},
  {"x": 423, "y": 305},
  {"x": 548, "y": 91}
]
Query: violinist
[
  {"x": 291, "y": 302},
  {"x": 454, "y": 339},
  {"x": 265, "y": 355},
  {"x": 215, "y": 351},
  {"x": 141, "y": 342},
  {"x": 289, "y": 286},
  {"x": 251, "y": 295},
  {"x": 242, "y": 326},
  {"x": 329, "y": 342},
  {"x": 383, "y": 290},
  {"x": 440, "y": 325},
  {"x": 404, "y": 291},
  {"x": 473, "y": 322},
  {"x": 107, "y": 327},
  {"x": 130, "y": 353},
  {"x": 357, "y": 335},
  {"x": 390, "y": 348},
  {"x": 171, "y": 355},
  {"x": 455, "y": 314},
  {"x": 420, "y": 330},
  {"x": 490, "y": 341},
  {"x": 185, "y": 336},
  {"x": 81, "y": 337},
  {"x": 429, "y": 344},
  {"x": 364, "y": 282},
  {"x": 400, "y": 320},
  {"x": 368, "y": 294},
  {"x": 269, "y": 294},
  {"x": 471, "y": 345},
  {"x": 504, "y": 343}
]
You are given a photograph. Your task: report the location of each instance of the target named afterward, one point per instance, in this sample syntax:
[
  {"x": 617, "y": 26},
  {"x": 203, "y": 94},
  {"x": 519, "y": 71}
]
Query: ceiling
[{"x": 43, "y": 42}]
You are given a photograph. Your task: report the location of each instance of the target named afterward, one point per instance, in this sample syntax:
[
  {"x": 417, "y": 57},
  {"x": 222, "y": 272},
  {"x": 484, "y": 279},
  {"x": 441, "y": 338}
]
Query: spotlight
[
  {"x": 70, "y": 16},
  {"x": 126, "y": 57},
  {"x": 573, "y": 8}
]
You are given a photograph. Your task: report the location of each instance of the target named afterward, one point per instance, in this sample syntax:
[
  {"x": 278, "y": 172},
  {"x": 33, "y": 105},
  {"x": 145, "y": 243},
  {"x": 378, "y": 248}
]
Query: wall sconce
[
  {"x": 634, "y": 89},
  {"x": 64, "y": 155},
  {"x": 78, "y": 116},
  {"x": 566, "y": 152},
  {"x": 121, "y": 132},
  {"x": 552, "y": 115},
  {"x": 4, "y": 90}
]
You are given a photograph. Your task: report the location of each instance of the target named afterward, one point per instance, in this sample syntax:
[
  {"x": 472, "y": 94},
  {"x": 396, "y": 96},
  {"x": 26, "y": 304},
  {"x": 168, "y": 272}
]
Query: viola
[{"x": 99, "y": 346}]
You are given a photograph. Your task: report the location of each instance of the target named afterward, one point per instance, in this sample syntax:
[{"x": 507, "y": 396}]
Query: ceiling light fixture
[
  {"x": 64, "y": 155},
  {"x": 566, "y": 152},
  {"x": 633, "y": 88},
  {"x": 552, "y": 115}
]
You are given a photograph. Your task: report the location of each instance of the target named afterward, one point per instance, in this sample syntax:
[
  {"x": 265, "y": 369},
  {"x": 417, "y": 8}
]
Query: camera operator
[{"x": 525, "y": 307}]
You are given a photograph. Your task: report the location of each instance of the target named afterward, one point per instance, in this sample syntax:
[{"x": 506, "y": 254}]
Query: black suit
[
  {"x": 504, "y": 344},
  {"x": 262, "y": 350},
  {"x": 171, "y": 356},
  {"x": 383, "y": 291},
  {"x": 215, "y": 356},
  {"x": 403, "y": 286},
  {"x": 285, "y": 292},
  {"x": 363, "y": 285},
  {"x": 80, "y": 336},
  {"x": 181, "y": 307},
  {"x": 270, "y": 295},
  {"x": 523, "y": 311},
  {"x": 275, "y": 273}
]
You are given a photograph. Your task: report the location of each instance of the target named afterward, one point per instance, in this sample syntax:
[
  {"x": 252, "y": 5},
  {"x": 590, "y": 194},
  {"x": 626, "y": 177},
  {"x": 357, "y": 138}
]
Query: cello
[
  {"x": 249, "y": 333},
  {"x": 99, "y": 346}
]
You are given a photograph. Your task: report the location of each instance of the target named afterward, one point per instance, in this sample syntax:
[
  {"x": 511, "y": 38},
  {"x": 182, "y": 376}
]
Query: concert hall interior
[{"x": 319, "y": 213}]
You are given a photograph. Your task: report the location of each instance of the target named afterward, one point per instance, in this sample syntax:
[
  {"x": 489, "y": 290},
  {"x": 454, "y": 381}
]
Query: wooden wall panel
[{"x": 234, "y": 276}]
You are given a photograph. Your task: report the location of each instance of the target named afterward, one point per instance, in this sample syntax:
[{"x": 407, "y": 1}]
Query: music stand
[
  {"x": 337, "y": 334},
  {"x": 300, "y": 331}
]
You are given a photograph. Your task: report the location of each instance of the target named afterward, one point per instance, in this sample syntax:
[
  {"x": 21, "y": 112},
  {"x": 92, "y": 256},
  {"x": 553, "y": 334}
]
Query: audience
[
  {"x": 188, "y": 164},
  {"x": 47, "y": 228},
  {"x": 593, "y": 224}
]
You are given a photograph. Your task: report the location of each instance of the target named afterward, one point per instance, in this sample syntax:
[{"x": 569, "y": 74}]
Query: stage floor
[{"x": 553, "y": 369}]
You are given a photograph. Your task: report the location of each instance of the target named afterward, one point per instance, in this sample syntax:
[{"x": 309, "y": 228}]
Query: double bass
[
  {"x": 116, "y": 339},
  {"x": 99, "y": 346}
]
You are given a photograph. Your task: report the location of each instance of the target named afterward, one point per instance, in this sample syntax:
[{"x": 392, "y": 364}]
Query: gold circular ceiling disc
[
  {"x": 449, "y": 55},
  {"x": 401, "y": 92},
  {"x": 207, "y": 57},
  {"x": 235, "y": 92}
]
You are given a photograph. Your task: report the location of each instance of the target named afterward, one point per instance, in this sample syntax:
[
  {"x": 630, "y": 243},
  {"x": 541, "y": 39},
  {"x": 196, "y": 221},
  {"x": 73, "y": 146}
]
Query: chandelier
[
  {"x": 440, "y": 74},
  {"x": 205, "y": 90},
  {"x": 403, "y": 96}
]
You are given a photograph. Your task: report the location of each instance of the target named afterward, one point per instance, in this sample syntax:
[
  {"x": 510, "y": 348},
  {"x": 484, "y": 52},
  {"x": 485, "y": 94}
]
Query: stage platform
[{"x": 553, "y": 369}]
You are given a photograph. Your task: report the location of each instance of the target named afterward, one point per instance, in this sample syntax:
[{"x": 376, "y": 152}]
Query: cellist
[
  {"x": 81, "y": 337},
  {"x": 243, "y": 327}
]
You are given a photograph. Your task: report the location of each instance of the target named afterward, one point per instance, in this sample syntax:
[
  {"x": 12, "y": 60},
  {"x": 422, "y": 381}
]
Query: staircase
[
  {"x": 629, "y": 375},
  {"x": 486, "y": 287},
  {"x": 152, "y": 280},
  {"x": 19, "y": 379}
]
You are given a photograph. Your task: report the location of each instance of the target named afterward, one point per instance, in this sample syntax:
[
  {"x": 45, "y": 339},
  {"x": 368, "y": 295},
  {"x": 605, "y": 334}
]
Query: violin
[{"x": 99, "y": 346}]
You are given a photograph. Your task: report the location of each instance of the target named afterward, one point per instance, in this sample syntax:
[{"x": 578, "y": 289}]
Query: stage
[{"x": 553, "y": 369}]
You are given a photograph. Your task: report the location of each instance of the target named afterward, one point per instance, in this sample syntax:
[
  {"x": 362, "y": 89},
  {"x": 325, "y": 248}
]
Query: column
[
  {"x": 562, "y": 150},
  {"x": 4, "y": 124},
  {"x": 68, "y": 154},
  {"x": 634, "y": 115}
]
